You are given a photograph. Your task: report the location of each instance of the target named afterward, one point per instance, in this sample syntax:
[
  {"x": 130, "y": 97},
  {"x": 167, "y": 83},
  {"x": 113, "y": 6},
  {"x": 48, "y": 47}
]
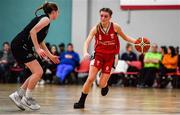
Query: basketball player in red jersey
[{"x": 106, "y": 50}]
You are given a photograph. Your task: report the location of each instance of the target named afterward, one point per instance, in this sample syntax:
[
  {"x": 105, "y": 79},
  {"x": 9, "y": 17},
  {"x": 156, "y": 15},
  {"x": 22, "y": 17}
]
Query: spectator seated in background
[
  {"x": 170, "y": 61},
  {"x": 151, "y": 66},
  {"x": 61, "y": 48},
  {"x": 177, "y": 52},
  {"x": 130, "y": 56},
  {"x": 69, "y": 60},
  {"x": 169, "y": 64},
  {"x": 163, "y": 51},
  {"x": 6, "y": 60}
]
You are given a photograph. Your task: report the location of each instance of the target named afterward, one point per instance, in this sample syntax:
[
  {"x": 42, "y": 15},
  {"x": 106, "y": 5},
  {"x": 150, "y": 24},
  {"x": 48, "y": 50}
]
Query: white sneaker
[
  {"x": 30, "y": 103},
  {"x": 16, "y": 98}
]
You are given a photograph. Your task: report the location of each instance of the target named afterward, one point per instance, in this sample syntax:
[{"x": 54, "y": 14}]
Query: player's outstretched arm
[{"x": 119, "y": 31}]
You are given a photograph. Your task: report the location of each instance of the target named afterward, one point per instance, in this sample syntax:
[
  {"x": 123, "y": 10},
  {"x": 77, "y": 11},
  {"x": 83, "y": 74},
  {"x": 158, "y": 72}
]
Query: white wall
[
  {"x": 79, "y": 24},
  {"x": 160, "y": 26}
]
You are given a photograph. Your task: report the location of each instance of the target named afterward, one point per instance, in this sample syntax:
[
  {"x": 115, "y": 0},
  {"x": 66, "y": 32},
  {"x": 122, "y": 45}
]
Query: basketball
[{"x": 142, "y": 44}]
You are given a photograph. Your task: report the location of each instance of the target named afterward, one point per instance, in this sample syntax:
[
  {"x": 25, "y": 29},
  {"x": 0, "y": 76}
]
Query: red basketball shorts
[{"x": 104, "y": 62}]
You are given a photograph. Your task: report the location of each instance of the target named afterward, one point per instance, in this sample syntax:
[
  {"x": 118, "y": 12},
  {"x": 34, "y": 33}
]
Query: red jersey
[{"x": 106, "y": 42}]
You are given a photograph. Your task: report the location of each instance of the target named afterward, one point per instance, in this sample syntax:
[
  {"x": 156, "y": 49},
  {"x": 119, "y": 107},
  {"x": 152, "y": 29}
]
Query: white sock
[
  {"x": 28, "y": 93},
  {"x": 21, "y": 92}
]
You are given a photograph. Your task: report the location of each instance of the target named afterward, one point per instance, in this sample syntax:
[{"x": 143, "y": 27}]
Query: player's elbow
[{"x": 32, "y": 32}]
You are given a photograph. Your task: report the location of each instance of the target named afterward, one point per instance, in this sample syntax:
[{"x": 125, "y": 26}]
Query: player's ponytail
[
  {"x": 47, "y": 7},
  {"x": 38, "y": 10}
]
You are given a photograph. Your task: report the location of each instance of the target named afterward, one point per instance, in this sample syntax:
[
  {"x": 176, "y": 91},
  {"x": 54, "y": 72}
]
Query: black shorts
[{"x": 22, "y": 53}]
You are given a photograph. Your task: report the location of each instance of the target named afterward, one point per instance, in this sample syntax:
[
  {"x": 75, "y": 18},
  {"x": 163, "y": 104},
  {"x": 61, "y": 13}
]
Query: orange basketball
[{"x": 142, "y": 44}]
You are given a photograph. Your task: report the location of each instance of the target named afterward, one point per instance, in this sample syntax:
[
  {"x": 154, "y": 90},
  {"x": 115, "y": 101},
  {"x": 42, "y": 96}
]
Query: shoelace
[
  {"x": 17, "y": 97},
  {"x": 32, "y": 101}
]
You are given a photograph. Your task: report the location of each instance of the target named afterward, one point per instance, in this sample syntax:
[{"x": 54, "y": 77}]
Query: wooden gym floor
[{"x": 56, "y": 99}]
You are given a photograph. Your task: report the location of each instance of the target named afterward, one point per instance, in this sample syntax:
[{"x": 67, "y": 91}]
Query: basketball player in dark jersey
[
  {"x": 32, "y": 36},
  {"x": 106, "y": 49}
]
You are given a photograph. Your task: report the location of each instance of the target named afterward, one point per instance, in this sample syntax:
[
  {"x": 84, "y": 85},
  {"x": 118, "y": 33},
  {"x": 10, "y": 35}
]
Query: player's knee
[
  {"x": 102, "y": 84},
  {"x": 39, "y": 72}
]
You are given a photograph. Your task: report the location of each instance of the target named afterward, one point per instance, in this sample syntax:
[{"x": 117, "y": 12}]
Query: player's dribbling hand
[
  {"x": 41, "y": 53},
  {"x": 86, "y": 56},
  {"x": 55, "y": 59}
]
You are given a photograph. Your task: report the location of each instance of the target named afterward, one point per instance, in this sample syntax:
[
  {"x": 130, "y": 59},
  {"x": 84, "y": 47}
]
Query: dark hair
[
  {"x": 128, "y": 45},
  {"x": 106, "y": 10},
  {"x": 48, "y": 45},
  {"x": 177, "y": 50},
  {"x": 164, "y": 48},
  {"x": 55, "y": 48},
  {"x": 47, "y": 7},
  {"x": 70, "y": 44},
  {"x": 61, "y": 45},
  {"x": 5, "y": 43},
  {"x": 173, "y": 52}
]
